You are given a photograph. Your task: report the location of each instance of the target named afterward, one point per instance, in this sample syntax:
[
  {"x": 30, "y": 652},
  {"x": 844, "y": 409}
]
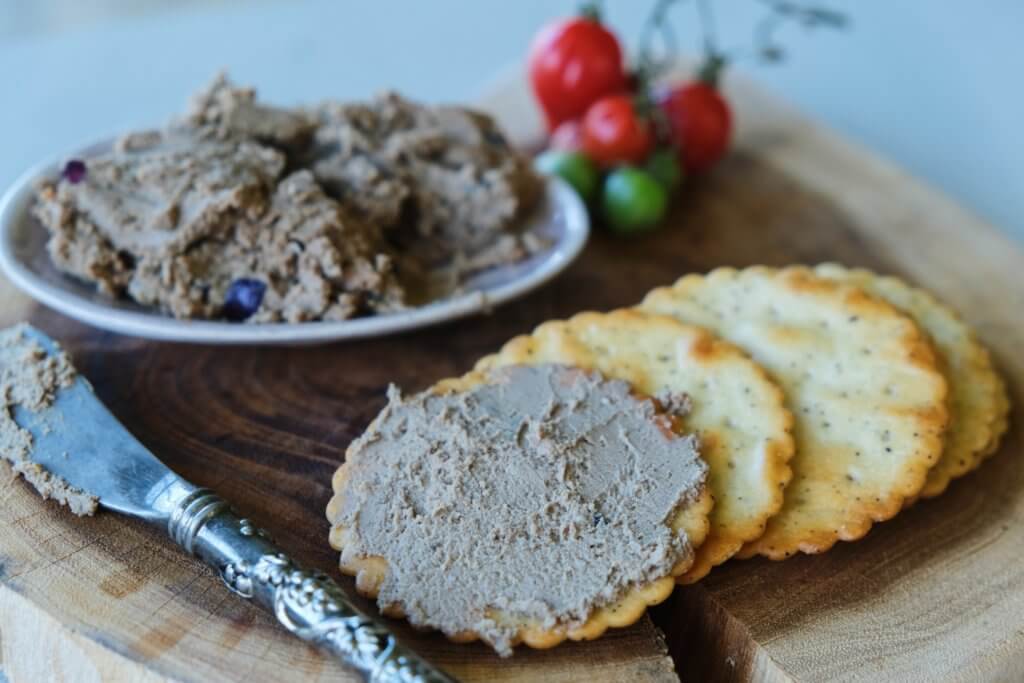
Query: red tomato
[
  {"x": 701, "y": 124},
  {"x": 613, "y": 133},
  {"x": 568, "y": 137},
  {"x": 572, "y": 63}
]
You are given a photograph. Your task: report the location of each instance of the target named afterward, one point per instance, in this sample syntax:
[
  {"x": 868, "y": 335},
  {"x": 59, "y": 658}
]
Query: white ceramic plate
[{"x": 560, "y": 218}]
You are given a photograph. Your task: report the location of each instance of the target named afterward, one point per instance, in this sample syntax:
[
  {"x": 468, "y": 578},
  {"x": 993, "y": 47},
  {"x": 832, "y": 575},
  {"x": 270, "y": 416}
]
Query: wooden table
[{"x": 937, "y": 594}]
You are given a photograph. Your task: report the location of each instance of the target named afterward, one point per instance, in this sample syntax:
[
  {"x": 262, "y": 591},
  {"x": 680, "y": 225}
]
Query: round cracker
[
  {"x": 737, "y": 411},
  {"x": 860, "y": 378},
  {"x": 977, "y": 397},
  {"x": 369, "y": 572}
]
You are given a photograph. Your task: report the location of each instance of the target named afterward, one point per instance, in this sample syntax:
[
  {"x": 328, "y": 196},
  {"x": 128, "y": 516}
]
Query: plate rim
[{"x": 15, "y": 202}]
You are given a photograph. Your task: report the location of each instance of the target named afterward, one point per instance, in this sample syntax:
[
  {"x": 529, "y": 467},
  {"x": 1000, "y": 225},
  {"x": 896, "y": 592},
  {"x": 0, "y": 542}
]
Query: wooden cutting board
[{"x": 936, "y": 594}]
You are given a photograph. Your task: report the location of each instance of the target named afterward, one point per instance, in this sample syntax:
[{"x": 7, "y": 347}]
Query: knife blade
[{"x": 78, "y": 439}]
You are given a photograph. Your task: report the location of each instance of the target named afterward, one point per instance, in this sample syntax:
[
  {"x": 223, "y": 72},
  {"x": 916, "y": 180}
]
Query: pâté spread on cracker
[{"x": 524, "y": 504}]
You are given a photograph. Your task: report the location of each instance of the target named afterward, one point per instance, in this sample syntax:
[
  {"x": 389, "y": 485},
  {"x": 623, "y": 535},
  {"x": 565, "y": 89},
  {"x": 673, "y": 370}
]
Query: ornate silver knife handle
[{"x": 309, "y": 604}]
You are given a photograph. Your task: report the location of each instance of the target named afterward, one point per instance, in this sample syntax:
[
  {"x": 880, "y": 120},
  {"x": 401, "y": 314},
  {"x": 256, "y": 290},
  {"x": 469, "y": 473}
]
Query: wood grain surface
[{"x": 937, "y": 594}]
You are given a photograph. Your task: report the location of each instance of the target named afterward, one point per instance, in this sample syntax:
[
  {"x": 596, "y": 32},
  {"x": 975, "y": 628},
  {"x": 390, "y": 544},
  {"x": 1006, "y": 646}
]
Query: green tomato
[
  {"x": 664, "y": 166},
  {"x": 572, "y": 167},
  {"x": 633, "y": 201}
]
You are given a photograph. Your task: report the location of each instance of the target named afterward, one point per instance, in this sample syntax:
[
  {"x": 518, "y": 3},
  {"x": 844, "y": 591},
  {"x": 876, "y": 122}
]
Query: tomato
[
  {"x": 632, "y": 201},
  {"x": 572, "y": 167},
  {"x": 572, "y": 63},
  {"x": 613, "y": 133},
  {"x": 663, "y": 165},
  {"x": 568, "y": 136},
  {"x": 700, "y": 122}
]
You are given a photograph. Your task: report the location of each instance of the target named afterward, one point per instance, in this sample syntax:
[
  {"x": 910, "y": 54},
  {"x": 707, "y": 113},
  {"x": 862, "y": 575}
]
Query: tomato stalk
[
  {"x": 657, "y": 24},
  {"x": 767, "y": 48},
  {"x": 710, "y": 71},
  {"x": 591, "y": 11},
  {"x": 658, "y": 28},
  {"x": 715, "y": 60}
]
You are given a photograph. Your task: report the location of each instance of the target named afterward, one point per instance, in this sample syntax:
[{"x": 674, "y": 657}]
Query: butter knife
[{"x": 106, "y": 461}]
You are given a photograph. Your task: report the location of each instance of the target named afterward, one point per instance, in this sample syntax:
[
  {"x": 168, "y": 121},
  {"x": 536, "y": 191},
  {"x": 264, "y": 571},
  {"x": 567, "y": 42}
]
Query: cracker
[
  {"x": 370, "y": 572},
  {"x": 861, "y": 379},
  {"x": 978, "y": 402},
  {"x": 736, "y": 410}
]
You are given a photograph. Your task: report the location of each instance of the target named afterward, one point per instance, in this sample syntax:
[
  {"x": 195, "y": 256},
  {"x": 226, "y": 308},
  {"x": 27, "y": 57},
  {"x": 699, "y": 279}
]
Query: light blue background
[{"x": 935, "y": 86}]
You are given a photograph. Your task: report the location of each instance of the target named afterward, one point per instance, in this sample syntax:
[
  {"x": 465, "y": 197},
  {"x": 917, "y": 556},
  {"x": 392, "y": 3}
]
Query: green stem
[
  {"x": 591, "y": 11},
  {"x": 657, "y": 24},
  {"x": 707, "y": 27},
  {"x": 711, "y": 70}
]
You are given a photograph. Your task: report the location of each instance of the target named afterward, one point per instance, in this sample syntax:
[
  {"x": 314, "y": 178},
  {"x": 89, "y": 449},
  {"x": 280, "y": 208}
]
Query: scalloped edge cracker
[
  {"x": 861, "y": 379},
  {"x": 978, "y": 401}
]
